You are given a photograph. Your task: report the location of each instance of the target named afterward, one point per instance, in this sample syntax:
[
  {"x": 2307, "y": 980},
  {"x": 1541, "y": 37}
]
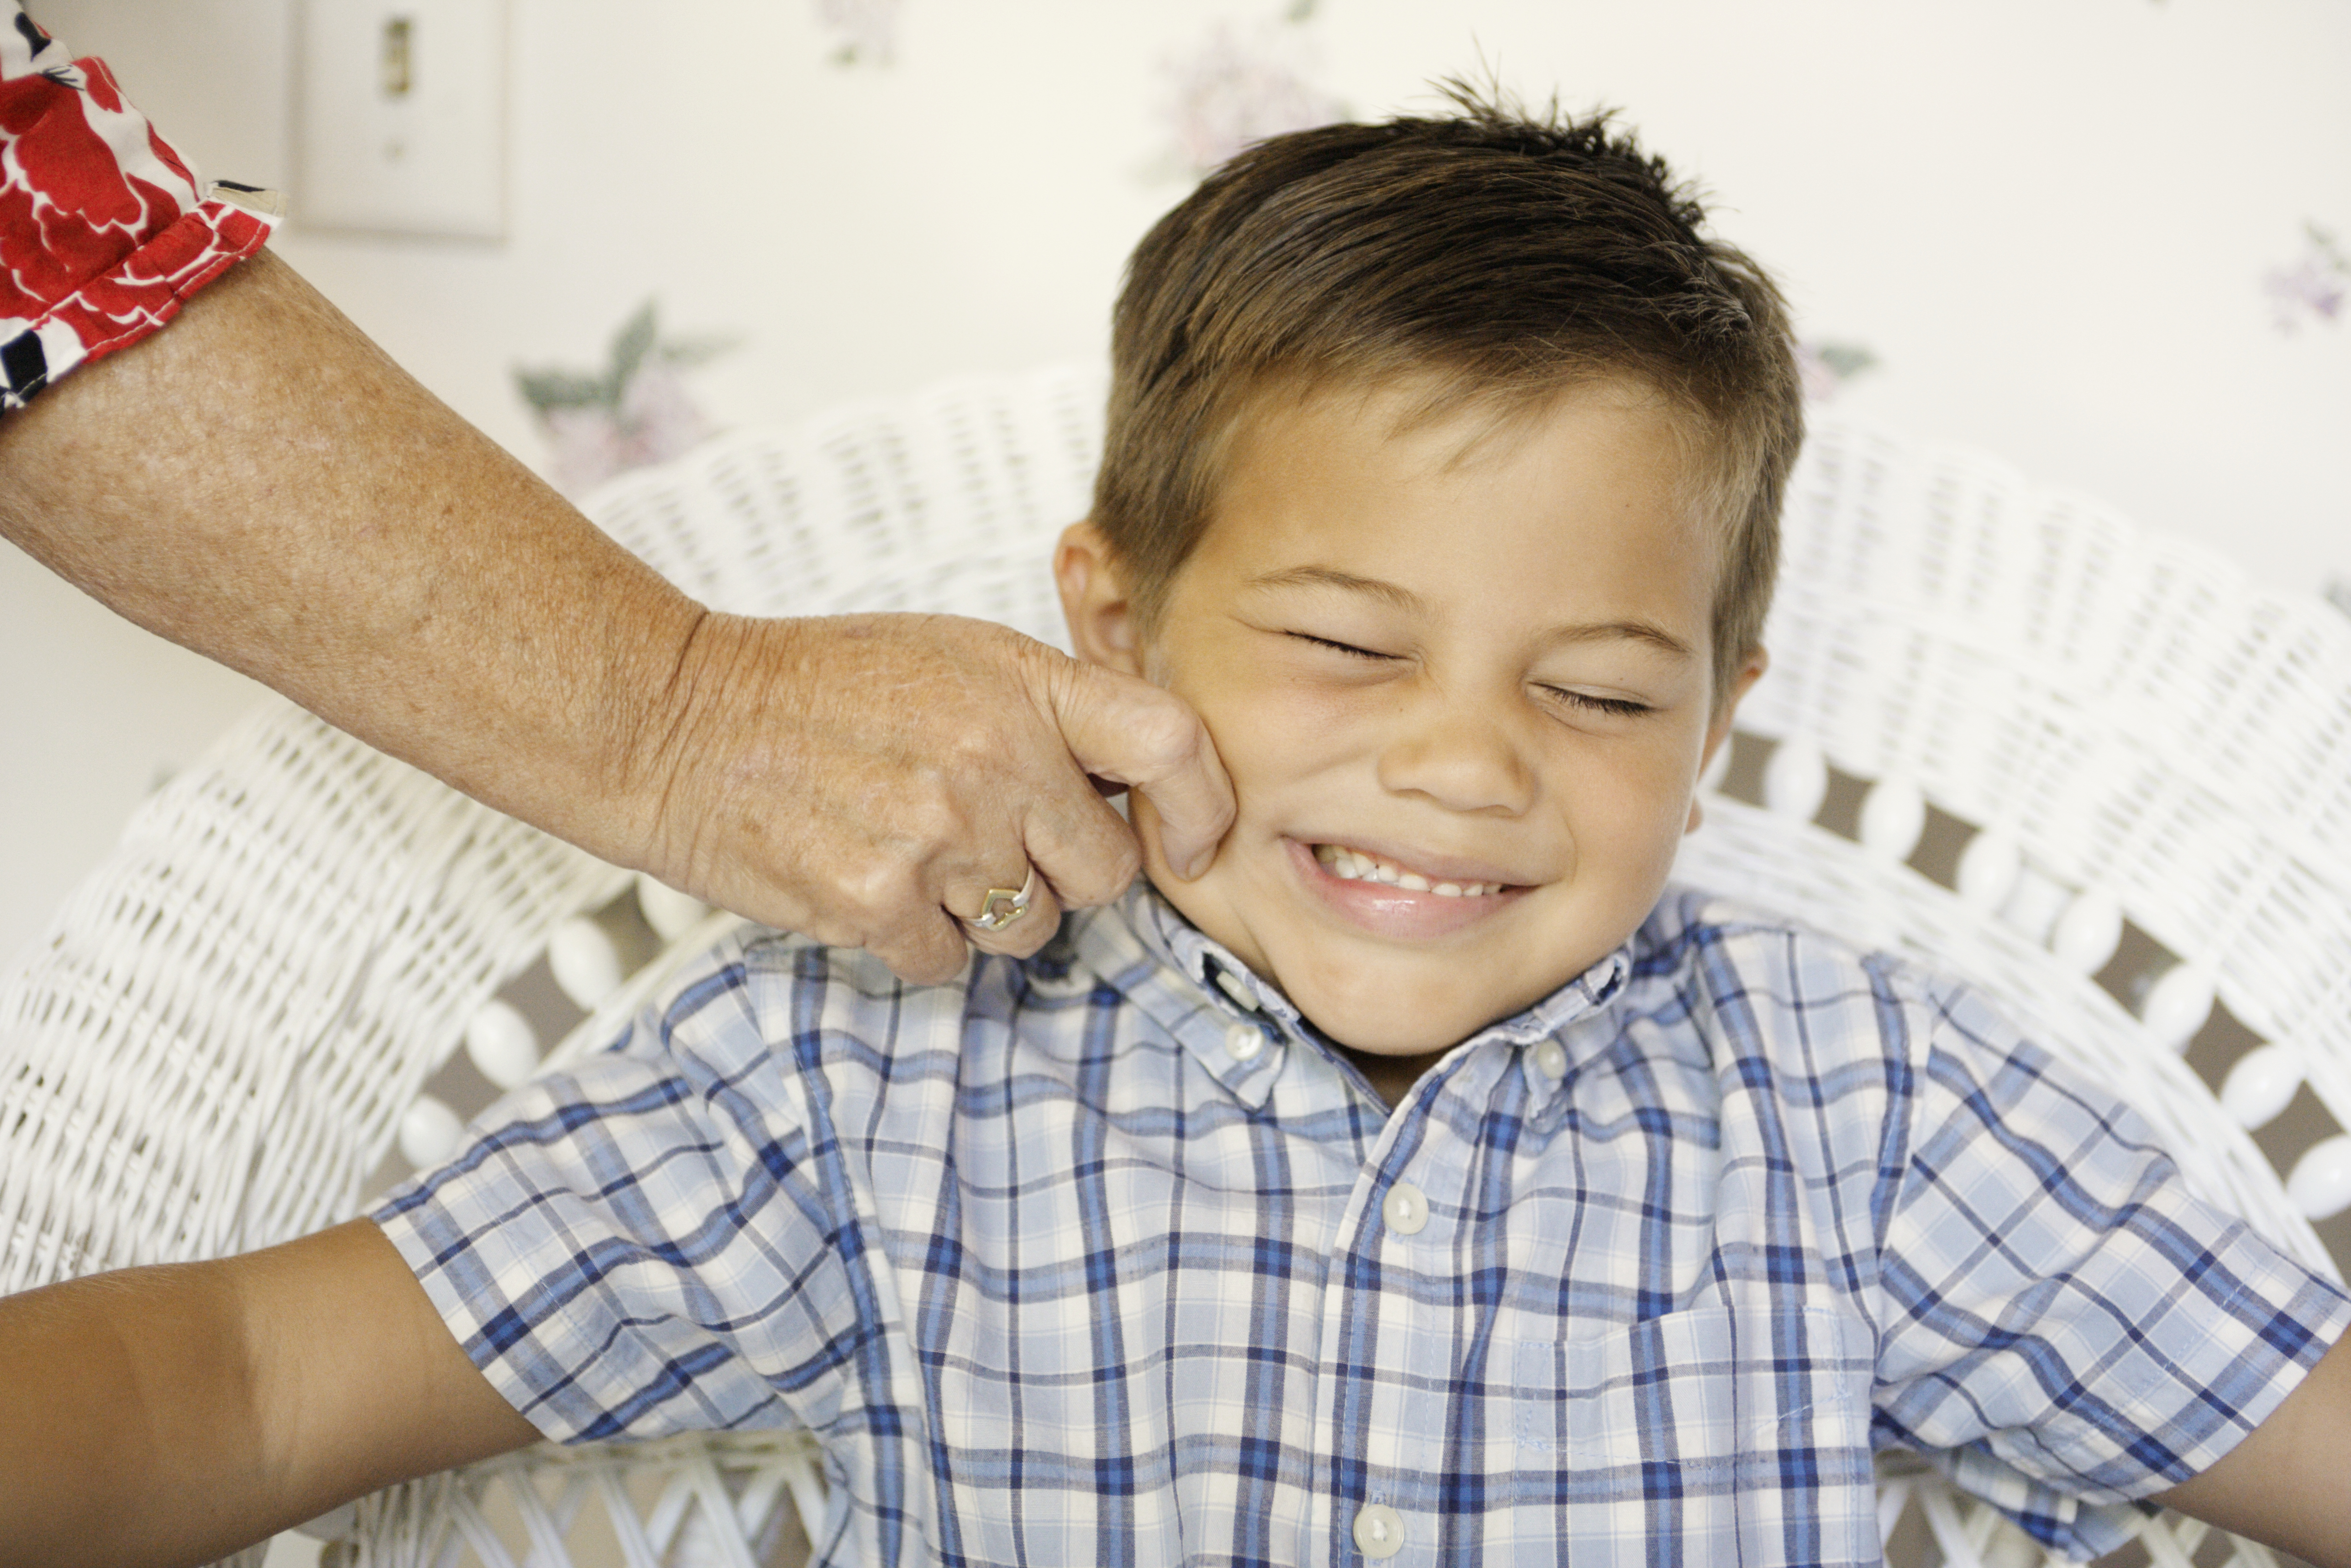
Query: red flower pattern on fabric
[{"x": 105, "y": 229}]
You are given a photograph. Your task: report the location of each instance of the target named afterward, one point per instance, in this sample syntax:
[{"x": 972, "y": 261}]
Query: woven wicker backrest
[{"x": 2095, "y": 771}]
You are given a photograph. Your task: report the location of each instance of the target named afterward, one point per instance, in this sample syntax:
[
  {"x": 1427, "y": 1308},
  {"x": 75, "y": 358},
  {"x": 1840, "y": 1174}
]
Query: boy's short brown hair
[{"x": 1512, "y": 255}]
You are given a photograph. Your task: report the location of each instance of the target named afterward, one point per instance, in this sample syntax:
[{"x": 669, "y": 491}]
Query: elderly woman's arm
[{"x": 259, "y": 482}]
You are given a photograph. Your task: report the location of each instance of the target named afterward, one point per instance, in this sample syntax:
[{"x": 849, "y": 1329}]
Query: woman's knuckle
[{"x": 1167, "y": 737}]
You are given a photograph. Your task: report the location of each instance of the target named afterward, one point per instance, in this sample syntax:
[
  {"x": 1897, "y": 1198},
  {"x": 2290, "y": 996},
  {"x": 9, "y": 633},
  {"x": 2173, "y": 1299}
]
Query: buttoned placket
[
  {"x": 1397, "y": 1216},
  {"x": 1253, "y": 1033},
  {"x": 1400, "y": 1219}
]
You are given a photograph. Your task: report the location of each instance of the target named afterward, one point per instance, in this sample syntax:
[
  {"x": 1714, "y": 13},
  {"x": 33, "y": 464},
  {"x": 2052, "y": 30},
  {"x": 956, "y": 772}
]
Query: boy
[{"x": 1424, "y": 1181}]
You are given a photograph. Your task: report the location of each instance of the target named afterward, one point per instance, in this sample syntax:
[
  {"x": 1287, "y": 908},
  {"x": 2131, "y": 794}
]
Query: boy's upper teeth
[{"x": 1355, "y": 865}]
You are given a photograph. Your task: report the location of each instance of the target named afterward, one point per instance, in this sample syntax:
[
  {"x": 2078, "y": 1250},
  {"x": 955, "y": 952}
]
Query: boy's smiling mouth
[
  {"x": 1387, "y": 896},
  {"x": 1361, "y": 866}
]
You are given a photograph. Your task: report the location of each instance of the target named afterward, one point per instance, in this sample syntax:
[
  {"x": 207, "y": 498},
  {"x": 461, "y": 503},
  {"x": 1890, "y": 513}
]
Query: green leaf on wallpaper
[
  {"x": 687, "y": 352},
  {"x": 548, "y": 388},
  {"x": 630, "y": 344},
  {"x": 865, "y": 31},
  {"x": 1846, "y": 360},
  {"x": 2322, "y": 242},
  {"x": 637, "y": 345}
]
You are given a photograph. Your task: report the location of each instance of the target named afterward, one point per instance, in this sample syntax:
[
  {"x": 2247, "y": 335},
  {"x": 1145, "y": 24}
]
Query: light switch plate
[{"x": 400, "y": 117}]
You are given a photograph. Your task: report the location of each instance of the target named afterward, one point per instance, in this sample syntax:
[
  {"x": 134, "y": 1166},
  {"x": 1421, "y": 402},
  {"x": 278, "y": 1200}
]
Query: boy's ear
[
  {"x": 1717, "y": 730},
  {"x": 1095, "y": 599}
]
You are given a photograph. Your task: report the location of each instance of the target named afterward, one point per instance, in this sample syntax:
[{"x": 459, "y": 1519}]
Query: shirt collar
[
  {"x": 1210, "y": 1002},
  {"x": 1554, "y": 1038}
]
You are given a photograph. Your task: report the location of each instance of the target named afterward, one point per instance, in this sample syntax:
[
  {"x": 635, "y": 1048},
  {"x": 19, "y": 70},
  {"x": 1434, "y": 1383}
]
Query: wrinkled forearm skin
[{"x": 260, "y": 483}]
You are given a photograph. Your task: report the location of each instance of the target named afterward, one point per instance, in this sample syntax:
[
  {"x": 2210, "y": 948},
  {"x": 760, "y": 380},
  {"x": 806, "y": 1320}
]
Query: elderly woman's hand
[{"x": 869, "y": 778}]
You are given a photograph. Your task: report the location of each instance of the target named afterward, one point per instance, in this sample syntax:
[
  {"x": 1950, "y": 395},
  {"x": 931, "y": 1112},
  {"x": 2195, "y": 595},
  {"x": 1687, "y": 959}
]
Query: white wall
[{"x": 2049, "y": 222}]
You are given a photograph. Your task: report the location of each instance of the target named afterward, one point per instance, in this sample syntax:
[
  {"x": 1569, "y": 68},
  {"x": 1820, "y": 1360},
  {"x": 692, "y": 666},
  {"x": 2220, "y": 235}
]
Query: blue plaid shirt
[{"x": 1105, "y": 1257}]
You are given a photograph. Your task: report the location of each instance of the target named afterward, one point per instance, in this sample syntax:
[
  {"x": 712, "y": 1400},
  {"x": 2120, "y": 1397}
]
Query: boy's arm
[
  {"x": 2289, "y": 1483},
  {"x": 171, "y": 1415}
]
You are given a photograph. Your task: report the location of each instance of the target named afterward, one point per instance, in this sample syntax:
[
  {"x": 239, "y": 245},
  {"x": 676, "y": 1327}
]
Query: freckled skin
[{"x": 1494, "y": 716}]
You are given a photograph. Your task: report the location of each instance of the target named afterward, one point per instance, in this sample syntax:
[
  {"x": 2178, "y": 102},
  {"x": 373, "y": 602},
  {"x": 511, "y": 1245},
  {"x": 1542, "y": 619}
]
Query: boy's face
[{"x": 1461, "y": 679}]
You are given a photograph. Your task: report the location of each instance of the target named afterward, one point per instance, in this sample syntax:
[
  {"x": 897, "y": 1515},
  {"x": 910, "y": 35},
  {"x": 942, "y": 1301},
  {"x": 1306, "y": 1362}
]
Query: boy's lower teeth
[{"x": 1349, "y": 866}]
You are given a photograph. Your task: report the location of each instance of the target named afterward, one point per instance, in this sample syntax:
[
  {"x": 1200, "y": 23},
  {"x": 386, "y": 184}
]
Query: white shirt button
[
  {"x": 1233, "y": 985},
  {"x": 1379, "y": 1530},
  {"x": 1406, "y": 1210},
  {"x": 1244, "y": 1041},
  {"x": 1551, "y": 1059}
]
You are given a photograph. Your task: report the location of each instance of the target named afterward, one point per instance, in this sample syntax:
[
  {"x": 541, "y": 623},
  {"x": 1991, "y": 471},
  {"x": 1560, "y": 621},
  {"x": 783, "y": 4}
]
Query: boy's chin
[{"x": 1389, "y": 1019}]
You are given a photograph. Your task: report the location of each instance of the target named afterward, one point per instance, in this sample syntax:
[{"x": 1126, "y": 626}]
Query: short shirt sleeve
[
  {"x": 2066, "y": 1325},
  {"x": 651, "y": 1243},
  {"x": 105, "y": 229}
]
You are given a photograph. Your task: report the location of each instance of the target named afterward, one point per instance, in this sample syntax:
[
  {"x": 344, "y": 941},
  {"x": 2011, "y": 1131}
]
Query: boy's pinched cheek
[
  {"x": 1282, "y": 739},
  {"x": 1260, "y": 716}
]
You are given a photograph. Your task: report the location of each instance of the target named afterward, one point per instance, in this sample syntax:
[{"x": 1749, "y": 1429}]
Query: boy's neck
[{"x": 1391, "y": 1077}]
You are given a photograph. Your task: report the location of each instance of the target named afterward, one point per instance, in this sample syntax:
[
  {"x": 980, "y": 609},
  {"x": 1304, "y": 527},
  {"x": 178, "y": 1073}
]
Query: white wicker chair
[{"x": 2097, "y": 771}]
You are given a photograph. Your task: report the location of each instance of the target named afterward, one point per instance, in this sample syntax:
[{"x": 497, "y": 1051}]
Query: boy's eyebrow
[
  {"x": 1638, "y": 631},
  {"x": 1329, "y": 577},
  {"x": 1406, "y": 599}
]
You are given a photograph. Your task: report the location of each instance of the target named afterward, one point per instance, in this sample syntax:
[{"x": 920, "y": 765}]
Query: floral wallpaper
[
  {"x": 1827, "y": 366},
  {"x": 1245, "y": 79},
  {"x": 861, "y": 31},
  {"x": 1242, "y": 82},
  {"x": 634, "y": 411},
  {"x": 2308, "y": 291}
]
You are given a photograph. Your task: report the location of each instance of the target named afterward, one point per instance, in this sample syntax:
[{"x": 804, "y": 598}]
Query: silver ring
[{"x": 1002, "y": 906}]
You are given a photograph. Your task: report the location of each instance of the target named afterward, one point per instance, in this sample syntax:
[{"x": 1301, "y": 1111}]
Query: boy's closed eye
[
  {"x": 1347, "y": 648},
  {"x": 1590, "y": 703}
]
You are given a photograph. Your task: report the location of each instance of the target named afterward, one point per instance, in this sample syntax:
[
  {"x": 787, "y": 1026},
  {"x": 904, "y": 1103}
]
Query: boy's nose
[{"x": 1459, "y": 757}]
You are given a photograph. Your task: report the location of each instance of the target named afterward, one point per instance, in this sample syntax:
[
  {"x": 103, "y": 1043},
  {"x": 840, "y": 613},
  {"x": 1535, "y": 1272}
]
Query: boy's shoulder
[
  {"x": 761, "y": 995},
  {"x": 1691, "y": 926},
  {"x": 1755, "y": 978},
  {"x": 757, "y": 1009}
]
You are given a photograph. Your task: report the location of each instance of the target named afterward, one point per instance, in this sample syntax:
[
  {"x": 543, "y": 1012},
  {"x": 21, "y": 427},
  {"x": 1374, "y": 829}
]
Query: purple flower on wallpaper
[
  {"x": 867, "y": 30},
  {"x": 1827, "y": 366},
  {"x": 2312, "y": 287},
  {"x": 1231, "y": 91},
  {"x": 634, "y": 412}
]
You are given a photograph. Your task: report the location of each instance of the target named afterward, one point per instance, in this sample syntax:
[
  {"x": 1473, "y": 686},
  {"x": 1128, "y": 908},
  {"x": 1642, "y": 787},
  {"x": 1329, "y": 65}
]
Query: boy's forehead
[
  {"x": 1294, "y": 444},
  {"x": 1352, "y": 497}
]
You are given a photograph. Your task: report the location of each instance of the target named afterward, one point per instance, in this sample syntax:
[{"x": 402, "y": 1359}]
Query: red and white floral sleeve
[{"x": 104, "y": 229}]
